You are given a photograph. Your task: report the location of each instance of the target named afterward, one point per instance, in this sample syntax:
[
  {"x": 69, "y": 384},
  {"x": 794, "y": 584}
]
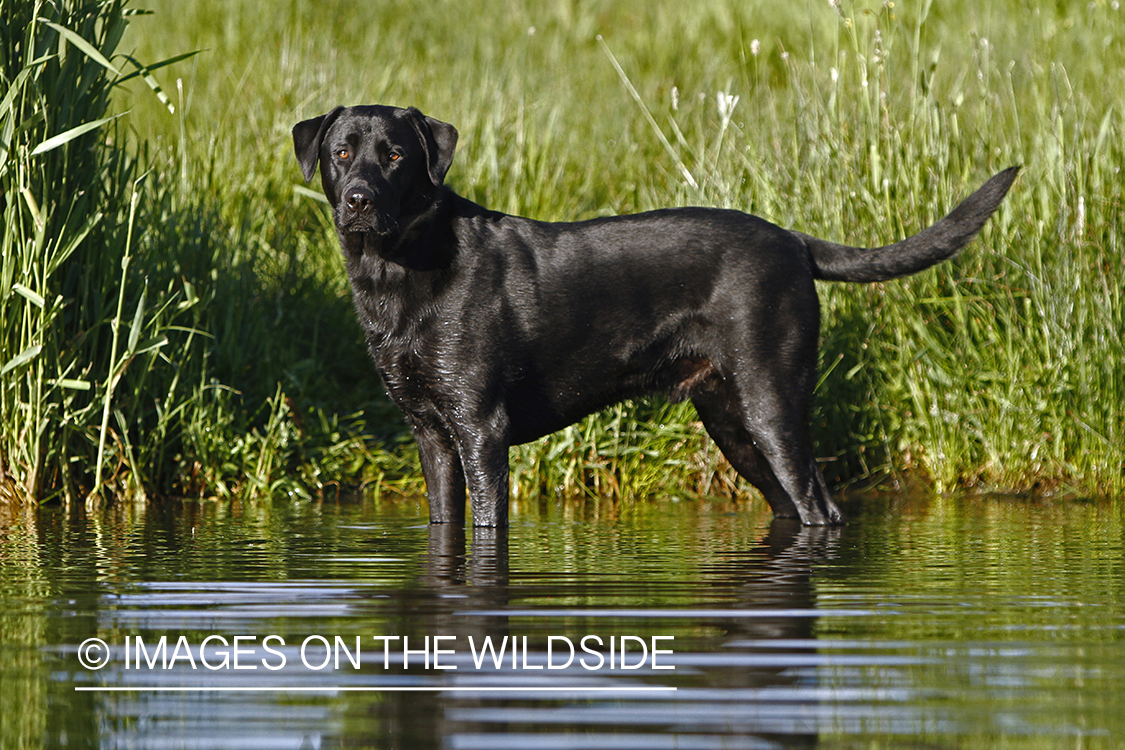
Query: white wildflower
[{"x": 727, "y": 103}]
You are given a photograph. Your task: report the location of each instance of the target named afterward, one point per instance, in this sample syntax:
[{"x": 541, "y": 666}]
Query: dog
[{"x": 491, "y": 330}]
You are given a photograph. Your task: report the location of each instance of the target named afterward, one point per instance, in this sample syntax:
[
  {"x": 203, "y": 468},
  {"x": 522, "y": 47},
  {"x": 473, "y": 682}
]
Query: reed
[{"x": 81, "y": 333}]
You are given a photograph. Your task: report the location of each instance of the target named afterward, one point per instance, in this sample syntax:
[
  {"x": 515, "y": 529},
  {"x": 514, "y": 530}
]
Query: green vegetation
[
  {"x": 80, "y": 391},
  {"x": 175, "y": 318}
]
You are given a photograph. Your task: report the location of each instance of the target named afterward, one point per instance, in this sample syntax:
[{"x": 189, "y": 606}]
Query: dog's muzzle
[{"x": 358, "y": 213}]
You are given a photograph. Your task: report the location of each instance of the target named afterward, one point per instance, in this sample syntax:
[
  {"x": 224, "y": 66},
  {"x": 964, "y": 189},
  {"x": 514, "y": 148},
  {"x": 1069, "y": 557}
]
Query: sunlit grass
[{"x": 858, "y": 122}]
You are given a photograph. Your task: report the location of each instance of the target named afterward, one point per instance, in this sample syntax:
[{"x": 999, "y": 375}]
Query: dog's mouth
[{"x": 377, "y": 222}]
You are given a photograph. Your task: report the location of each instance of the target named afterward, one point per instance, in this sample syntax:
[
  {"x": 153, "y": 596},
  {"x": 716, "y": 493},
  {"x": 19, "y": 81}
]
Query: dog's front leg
[
  {"x": 485, "y": 459},
  {"x": 445, "y": 478}
]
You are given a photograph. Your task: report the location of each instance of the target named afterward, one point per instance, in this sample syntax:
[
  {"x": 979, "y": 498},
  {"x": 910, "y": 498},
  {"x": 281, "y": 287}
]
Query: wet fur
[{"x": 491, "y": 330}]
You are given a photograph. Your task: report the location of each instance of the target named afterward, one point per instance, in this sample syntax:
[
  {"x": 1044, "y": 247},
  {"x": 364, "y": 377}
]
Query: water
[{"x": 927, "y": 622}]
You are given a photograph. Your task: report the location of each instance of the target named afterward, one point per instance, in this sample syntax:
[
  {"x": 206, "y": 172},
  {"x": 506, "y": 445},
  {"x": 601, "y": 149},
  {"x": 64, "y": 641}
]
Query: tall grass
[{"x": 859, "y": 122}]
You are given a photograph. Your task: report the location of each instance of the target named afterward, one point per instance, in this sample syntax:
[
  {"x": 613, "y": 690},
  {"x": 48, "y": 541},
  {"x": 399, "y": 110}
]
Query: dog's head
[{"x": 380, "y": 166}]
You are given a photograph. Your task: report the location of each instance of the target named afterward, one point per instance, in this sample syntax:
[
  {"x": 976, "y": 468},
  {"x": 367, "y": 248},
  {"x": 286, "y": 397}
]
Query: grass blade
[
  {"x": 138, "y": 324},
  {"x": 22, "y": 358},
  {"x": 66, "y": 137},
  {"x": 31, "y": 296},
  {"x": 648, "y": 115},
  {"x": 87, "y": 48}
]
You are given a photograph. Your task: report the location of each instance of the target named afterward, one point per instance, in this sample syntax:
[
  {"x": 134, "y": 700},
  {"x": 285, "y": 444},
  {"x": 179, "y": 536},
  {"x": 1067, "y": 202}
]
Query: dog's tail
[{"x": 939, "y": 242}]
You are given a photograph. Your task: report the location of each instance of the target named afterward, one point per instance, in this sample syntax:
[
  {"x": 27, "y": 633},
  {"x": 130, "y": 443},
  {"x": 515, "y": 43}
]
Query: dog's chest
[{"x": 399, "y": 342}]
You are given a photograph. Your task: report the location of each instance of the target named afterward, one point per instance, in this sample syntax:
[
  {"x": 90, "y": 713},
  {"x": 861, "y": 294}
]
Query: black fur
[{"x": 491, "y": 330}]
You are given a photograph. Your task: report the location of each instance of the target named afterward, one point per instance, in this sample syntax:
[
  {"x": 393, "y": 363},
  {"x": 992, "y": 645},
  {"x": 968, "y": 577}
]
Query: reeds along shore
[{"x": 175, "y": 319}]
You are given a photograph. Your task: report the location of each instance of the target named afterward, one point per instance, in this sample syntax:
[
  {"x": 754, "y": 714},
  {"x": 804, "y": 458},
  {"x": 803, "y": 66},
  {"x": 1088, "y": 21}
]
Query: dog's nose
[{"x": 360, "y": 199}]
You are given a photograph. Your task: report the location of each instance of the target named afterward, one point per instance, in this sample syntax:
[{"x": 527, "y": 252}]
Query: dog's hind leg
[
  {"x": 722, "y": 420},
  {"x": 794, "y": 464},
  {"x": 780, "y": 433},
  {"x": 772, "y": 452}
]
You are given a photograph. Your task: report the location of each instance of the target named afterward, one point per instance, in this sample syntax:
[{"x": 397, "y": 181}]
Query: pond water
[{"x": 926, "y": 622}]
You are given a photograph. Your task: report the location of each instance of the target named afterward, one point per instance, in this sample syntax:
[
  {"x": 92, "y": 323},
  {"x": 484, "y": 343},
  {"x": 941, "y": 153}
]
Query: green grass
[{"x": 227, "y": 350}]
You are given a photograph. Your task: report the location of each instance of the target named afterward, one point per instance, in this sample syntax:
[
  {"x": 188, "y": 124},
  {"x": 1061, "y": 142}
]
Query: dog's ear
[
  {"x": 439, "y": 139},
  {"x": 307, "y": 136}
]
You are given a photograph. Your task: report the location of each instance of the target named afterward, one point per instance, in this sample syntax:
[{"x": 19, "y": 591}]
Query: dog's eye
[
  {"x": 394, "y": 156},
  {"x": 343, "y": 153}
]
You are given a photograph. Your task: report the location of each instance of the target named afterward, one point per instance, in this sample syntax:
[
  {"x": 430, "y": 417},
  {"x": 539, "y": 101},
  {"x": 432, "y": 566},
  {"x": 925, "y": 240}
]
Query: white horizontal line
[{"x": 374, "y": 689}]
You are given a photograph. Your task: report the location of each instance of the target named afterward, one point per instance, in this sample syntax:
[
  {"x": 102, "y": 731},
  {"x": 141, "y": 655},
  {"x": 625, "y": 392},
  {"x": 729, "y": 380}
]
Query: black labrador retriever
[{"x": 492, "y": 330}]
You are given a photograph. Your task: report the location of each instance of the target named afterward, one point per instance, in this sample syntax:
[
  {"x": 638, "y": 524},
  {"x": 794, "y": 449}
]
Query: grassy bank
[{"x": 225, "y": 357}]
